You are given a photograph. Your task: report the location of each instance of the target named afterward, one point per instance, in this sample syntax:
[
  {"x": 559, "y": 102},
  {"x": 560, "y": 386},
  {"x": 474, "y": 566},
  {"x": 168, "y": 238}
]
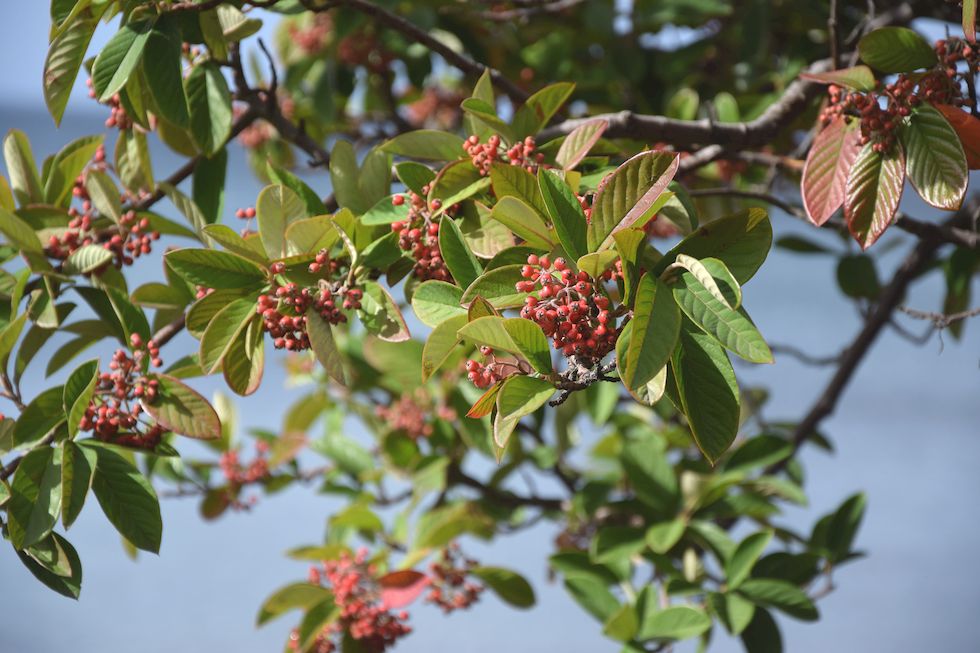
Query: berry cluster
[
  {"x": 413, "y": 414},
  {"x": 361, "y": 48},
  {"x": 419, "y": 235},
  {"x": 448, "y": 579},
  {"x": 114, "y": 413},
  {"x": 284, "y": 310},
  {"x": 520, "y": 154},
  {"x": 569, "y": 308},
  {"x": 312, "y": 36},
  {"x": 361, "y": 612},
  {"x": 237, "y": 473},
  {"x": 484, "y": 375},
  {"x": 117, "y": 116}
]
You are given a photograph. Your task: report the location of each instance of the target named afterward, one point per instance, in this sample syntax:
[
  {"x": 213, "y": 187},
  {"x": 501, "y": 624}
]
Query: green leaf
[
  {"x": 515, "y": 181},
  {"x": 656, "y": 326},
  {"x": 234, "y": 243},
  {"x": 291, "y": 597},
  {"x": 279, "y": 175},
  {"x": 676, "y": 622},
  {"x": 734, "y": 611},
  {"x": 857, "y": 276},
  {"x": 440, "y": 344},
  {"x": 77, "y": 472},
  {"x": 87, "y": 258},
  {"x": 596, "y": 263},
  {"x": 579, "y": 141},
  {"x": 384, "y": 212},
  {"x": 566, "y": 213},
  {"x": 162, "y": 69},
  {"x": 614, "y": 545},
  {"x": 762, "y": 634},
  {"x": 483, "y": 112},
  {"x": 594, "y": 596},
  {"x": 40, "y": 417},
  {"x": 540, "y": 107},
  {"x": 434, "y": 302},
  {"x": 780, "y": 595},
  {"x": 708, "y": 392},
  {"x": 69, "y": 581},
  {"x": 119, "y": 58},
  {"x": 896, "y": 50},
  {"x": 187, "y": 207},
  {"x": 223, "y": 329},
  {"x": 325, "y": 347},
  {"x": 35, "y": 497},
  {"x": 66, "y": 166},
  {"x": 414, "y": 175},
  {"x": 64, "y": 60},
  {"x": 244, "y": 364},
  {"x": 651, "y": 474},
  {"x": 497, "y": 286},
  {"x": 127, "y": 499},
  {"x": 426, "y": 144},
  {"x": 380, "y": 315},
  {"x": 21, "y": 168},
  {"x": 77, "y": 393},
  {"x": 859, "y": 78},
  {"x": 210, "y": 107},
  {"x": 208, "y": 188},
  {"x": 627, "y": 197},
  {"x": 276, "y": 209},
  {"x": 510, "y": 586},
  {"x": 739, "y": 566},
  {"x": 235, "y": 25},
  {"x": 514, "y": 335},
  {"x": 182, "y": 410},
  {"x": 827, "y": 167},
  {"x": 518, "y": 396},
  {"x": 874, "y": 189},
  {"x": 741, "y": 241},
  {"x": 459, "y": 259},
  {"x": 935, "y": 161},
  {"x": 204, "y": 267},
  {"x": 844, "y": 526},
  {"x": 524, "y": 221},
  {"x": 622, "y": 625},
  {"x": 663, "y": 536},
  {"x": 104, "y": 194}
]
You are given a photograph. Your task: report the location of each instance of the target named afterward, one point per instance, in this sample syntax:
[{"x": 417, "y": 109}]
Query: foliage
[{"x": 502, "y": 282}]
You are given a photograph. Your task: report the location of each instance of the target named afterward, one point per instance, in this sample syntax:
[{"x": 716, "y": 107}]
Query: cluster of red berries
[
  {"x": 323, "y": 263},
  {"x": 257, "y": 134},
  {"x": 419, "y": 235},
  {"x": 361, "y": 611},
  {"x": 314, "y": 36},
  {"x": 484, "y": 375},
  {"x": 245, "y": 214},
  {"x": 483, "y": 155},
  {"x": 239, "y": 474},
  {"x": 113, "y": 415},
  {"x": 448, "y": 578},
  {"x": 569, "y": 308},
  {"x": 284, "y": 311},
  {"x": 882, "y": 111},
  {"x": 363, "y": 49},
  {"x": 413, "y": 414},
  {"x": 117, "y": 116}
]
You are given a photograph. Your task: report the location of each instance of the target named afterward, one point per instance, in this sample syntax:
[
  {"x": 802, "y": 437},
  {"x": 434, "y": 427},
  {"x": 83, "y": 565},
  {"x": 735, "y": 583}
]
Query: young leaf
[
  {"x": 935, "y": 161},
  {"x": 656, "y": 326},
  {"x": 708, "y": 392},
  {"x": 127, "y": 499},
  {"x": 967, "y": 128},
  {"x": 874, "y": 188},
  {"x": 627, "y": 196},
  {"x": 566, "y": 214},
  {"x": 400, "y": 588},
  {"x": 826, "y": 169},
  {"x": 579, "y": 141},
  {"x": 182, "y": 410},
  {"x": 896, "y": 50}
]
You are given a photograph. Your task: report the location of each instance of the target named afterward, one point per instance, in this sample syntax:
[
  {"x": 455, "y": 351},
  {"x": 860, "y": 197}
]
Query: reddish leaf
[
  {"x": 874, "y": 188},
  {"x": 967, "y": 127},
  {"x": 577, "y": 144},
  {"x": 484, "y": 405},
  {"x": 827, "y": 167},
  {"x": 400, "y": 588},
  {"x": 859, "y": 78}
]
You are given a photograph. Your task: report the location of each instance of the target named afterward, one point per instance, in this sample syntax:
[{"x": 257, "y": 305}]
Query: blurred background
[{"x": 907, "y": 433}]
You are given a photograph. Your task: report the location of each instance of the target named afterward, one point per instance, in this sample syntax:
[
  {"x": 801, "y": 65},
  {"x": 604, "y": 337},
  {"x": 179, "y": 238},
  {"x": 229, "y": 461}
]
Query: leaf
[
  {"x": 615, "y": 545},
  {"x": 514, "y": 335},
  {"x": 21, "y": 168},
  {"x": 104, "y": 194},
  {"x": 896, "y": 50},
  {"x": 70, "y": 582},
  {"x": 662, "y": 537},
  {"x": 622, "y": 625},
  {"x": 459, "y": 259},
  {"x": 182, "y": 410},
  {"x": 162, "y": 63},
  {"x": 86, "y": 259},
  {"x": 739, "y": 566},
  {"x": 279, "y": 175},
  {"x": 594, "y": 596},
  {"x": 524, "y": 221},
  {"x": 859, "y": 78},
  {"x": 844, "y": 526},
  {"x": 210, "y": 107},
  {"x": 133, "y": 163},
  {"x": 857, "y": 276},
  {"x": 540, "y": 107},
  {"x": 497, "y": 286},
  {"x": 244, "y": 363},
  {"x": 874, "y": 189},
  {"x": 566, "y": 214},
  {"x": 675, "y": 622},
  {"x": 434, "y": 302},
  {"x": 119, "y": 58},
  {"x": 64, "y": 59},
  {"x": 414, "y": 175},
  {"x": 77, "y": 472},
  {"x": 935, "y": 161},
  {"x": 656, "y": 326},
  {"x": 41, "y": 416},
  {"x": 127, "y": 499},
  {"x": 967, "y": 128},
  {"x": 222, "y": 331},
  {"x": 708, "y": 392},
  {"x": 762, "y": 634},
  {"x": 291, "y": 597},
  {"x": 380, "y": 315},
  {"x": 515, "y": 181},
  {"x": 970, "y": 20},
  {"x": 235, "y": 25},
  {"x": 579, "y": 141},
  {"x": 324, "y": 347},
  {"x": 627, "y": 196},
  {"x": 741, "y": 241},
  {"x": 426, "y": 144},
  {"x": 211, "y": 269},
  {"x": 510, "y": 586},
  {"x": 734, "y": 611},
  {"x": 518, "y": 396},
  {"x": 77, "y": 393},
  {"x": 440, "y": 345},
  {"x": 651, "y": 475},
  {"x": 400, "y": 588},
  {"x": 780, "y": 595},
  {"x": 384, "y": 212},
  {"x": 596, "y": 263},
  {"x": 276, "y": 208},
  {"x": 35, "y": 497},
  {"x": 826, "y": 169}
]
